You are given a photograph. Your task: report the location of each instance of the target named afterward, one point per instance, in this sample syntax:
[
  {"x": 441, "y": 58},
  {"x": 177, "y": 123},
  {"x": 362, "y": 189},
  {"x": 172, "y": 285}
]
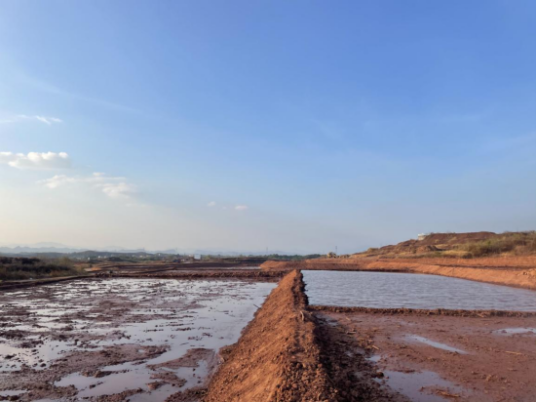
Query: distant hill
[
  {"x": 57, "y": 250},
  {"x": 35, "y": 249},
  {"x": 471, "y": 244}
]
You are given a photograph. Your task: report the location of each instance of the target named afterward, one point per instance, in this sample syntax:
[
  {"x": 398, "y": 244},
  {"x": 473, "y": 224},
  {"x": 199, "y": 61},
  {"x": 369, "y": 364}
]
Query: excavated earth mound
[{"x": 277, "y": 357}]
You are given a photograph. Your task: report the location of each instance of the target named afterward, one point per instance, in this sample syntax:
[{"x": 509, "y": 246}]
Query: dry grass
[
  {"x": 14, "y": 268},
  {"x": 501, "y": 261}
]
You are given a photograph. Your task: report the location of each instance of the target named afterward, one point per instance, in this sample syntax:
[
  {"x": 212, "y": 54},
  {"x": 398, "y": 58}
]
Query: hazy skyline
[{"x": 245, "y": 125}]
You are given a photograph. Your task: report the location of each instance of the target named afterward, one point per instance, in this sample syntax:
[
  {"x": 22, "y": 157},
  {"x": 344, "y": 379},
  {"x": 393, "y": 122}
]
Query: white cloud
[
  {"x": 112, "y": 186},
  {"x": 211, "y": 204},
  {"x": 43, "y": 119},
  {"x": 46, "y": 120},
  {"x": 58, "y": 181},
  {"x": 36, "y": 160},
  {"x": 241, "y": 207}
]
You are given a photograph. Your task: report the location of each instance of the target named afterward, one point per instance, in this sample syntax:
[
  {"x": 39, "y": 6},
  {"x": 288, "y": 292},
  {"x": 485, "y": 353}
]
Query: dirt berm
[{"x": 278, "y": 357}]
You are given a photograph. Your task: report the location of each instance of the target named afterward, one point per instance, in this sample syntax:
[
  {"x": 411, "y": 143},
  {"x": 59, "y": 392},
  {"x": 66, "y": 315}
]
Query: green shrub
[{"x": 19, "y": 268}]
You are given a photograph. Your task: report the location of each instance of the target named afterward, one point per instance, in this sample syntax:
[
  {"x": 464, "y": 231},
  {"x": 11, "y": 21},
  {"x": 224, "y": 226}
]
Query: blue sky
[{"x": 245, "y": 125}]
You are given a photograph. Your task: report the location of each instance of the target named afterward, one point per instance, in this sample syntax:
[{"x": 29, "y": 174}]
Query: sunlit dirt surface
[
  {"x": 443, "y": 358},
  {"x": 144, "y": 339}
]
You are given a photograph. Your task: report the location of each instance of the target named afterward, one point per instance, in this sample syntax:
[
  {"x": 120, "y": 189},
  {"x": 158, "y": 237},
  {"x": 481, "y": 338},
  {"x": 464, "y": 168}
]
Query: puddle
[
  {"x": 515, "y": 331},
  {"x": 419, "y": 386},
  {"x": 400, "y": 290},
  {"x": 90, "y": 315},
  {"x": 4, "y": 394},
  {"x": 435, "y": 344},
  {"x": 374, "y": 358}
]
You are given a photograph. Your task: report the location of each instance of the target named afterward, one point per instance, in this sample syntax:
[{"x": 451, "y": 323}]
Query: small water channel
[{"x": 418, "y": 291}]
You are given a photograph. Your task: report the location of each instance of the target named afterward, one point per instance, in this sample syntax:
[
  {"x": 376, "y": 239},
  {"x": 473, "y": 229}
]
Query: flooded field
[
  {"x": 396, "y": 290},
  {"x": 144, "y": 339}
]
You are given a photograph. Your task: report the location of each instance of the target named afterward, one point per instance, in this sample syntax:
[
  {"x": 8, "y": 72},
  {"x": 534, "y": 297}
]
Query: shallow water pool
[
  {"x": 45, "y": 331},
  {"x": 418, "y": 291}
]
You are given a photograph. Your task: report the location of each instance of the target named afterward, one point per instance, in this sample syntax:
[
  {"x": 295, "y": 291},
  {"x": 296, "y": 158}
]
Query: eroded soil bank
[
  {"x": 118, "y": 339},
  {"x": 277, "y": 357},
  {"x": 287, "y": 354}
]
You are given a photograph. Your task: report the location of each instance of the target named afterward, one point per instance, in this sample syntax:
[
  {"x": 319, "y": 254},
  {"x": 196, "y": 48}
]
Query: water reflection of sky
[
  {"x": 180, "y": 314},
  {"x": 396, "y": 290}
]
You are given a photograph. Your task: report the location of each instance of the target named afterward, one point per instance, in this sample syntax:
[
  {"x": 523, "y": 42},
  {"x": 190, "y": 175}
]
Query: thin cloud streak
[
  {"x": 52, "y": 89},
  {"x": 22, "y": 117}
]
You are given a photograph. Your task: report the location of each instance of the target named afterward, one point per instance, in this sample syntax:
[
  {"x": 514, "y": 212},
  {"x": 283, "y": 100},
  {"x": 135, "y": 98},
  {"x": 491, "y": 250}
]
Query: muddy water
[
  {"x": 188, "y": 320},
  {"x": 396, "y": 290},
  {"x": 418, "y": 386}
]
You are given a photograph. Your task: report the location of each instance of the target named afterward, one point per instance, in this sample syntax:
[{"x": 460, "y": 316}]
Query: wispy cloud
[
  {"x": 112, "y": 186},
  {"x": 36, "y": 160},
  {"x": 241, "y": 207},
  {"x": 23, "y": 117},
  {"x": 211, "y": 204},
  {"x": 53, "y": 89}
]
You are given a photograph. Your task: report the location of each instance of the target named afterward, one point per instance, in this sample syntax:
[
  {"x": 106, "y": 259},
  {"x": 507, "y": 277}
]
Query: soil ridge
[{"x": 278, "y": 357}]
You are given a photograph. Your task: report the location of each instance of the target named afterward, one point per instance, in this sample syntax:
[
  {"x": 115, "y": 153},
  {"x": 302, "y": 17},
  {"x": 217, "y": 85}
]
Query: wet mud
[
  {"x": 118, "y": 339},
  {"x": 425, "y": 312},
  {"x": 441, "y": 358},
  {"x": 246, "y": 273},
  {"x": 178, "y": 338},
  {"x": 288, "y": 354}
]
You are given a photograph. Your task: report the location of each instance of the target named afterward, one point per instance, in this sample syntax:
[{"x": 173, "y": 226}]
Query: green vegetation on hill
[
  {"x": 460, "y": 245},
  {"x": 520, "y": 243},
  {"x": 17, "y": 268}
]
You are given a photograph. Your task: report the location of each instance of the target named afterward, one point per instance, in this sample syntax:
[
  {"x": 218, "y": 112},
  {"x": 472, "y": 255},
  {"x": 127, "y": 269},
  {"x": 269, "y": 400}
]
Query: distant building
[{"x": 422, "y": 236}]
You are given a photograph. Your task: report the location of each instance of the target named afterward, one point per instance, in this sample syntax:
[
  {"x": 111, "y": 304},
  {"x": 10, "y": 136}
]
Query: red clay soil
[
  {"x": 423, "y": 312},
  {"x": 489, "y": 363},
  {"x": 277, "y": 358},
  {"x": 286, "y": 354}
]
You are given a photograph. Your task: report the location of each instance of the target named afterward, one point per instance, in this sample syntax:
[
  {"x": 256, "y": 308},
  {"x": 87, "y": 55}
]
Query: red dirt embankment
[
  {"x": 422, "y": 312},
  {"x": 256, "y": 274},
  {"x": 178, "y": 265},
  {"x": 508, "y": 274},
  {"x": 278, "y": 357},
  {"x": 28, "y": 283}
]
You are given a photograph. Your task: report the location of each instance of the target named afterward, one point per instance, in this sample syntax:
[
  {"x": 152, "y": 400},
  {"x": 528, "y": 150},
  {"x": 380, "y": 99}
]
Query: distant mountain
[
  {"x": 58, "y": 249},
  {"x": 37, "y": 249}
]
